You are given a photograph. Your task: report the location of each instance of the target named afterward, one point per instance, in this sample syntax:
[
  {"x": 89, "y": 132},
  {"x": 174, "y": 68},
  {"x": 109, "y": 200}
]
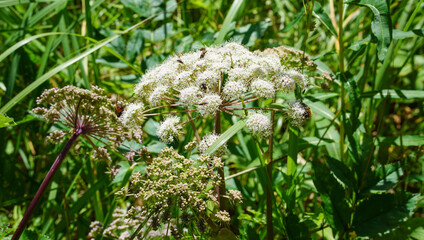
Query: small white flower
[
  {"x": 207, "y": 141},
  {"x": 235, "y": 195},
  {"x": 298, "y": 113},
  {"x": 210, "y": 78},
  {"x": 270, "y": 64},
  {"x": 300, "y": 79},
  {"x": 285, "y": 82},
  {"x": 233, "y": 89},
  {"x": 259, "y": 124},
  {"x": 223, "y": 216},
  {"x": 157, "y": 95},
  {"x": 190, "y": 95},
  {"x": 101, "y": 154},
  {"x": 209, "y": 105},
  {"x": 133, "y": 115},
  {"x": 263, "y": 88},
  {"x": 169, "y": 129}
]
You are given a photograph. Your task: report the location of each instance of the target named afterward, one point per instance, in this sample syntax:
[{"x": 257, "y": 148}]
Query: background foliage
[{"x": 354, "y": 170}]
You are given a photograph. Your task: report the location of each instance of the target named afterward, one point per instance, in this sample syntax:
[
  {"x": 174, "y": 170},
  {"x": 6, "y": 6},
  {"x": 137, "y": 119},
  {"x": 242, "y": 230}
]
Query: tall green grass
[{"x": 362, "y": 144}]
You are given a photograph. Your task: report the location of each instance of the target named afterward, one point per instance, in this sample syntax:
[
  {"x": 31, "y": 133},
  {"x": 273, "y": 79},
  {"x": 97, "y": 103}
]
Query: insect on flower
[
  {"x": 119, "y": 109},
  {"x": 308, "y": 112},
  {"x": 203, "y": 87},
  {"x": 202, "y": 55},
  {"x": 179, "y": 58}
]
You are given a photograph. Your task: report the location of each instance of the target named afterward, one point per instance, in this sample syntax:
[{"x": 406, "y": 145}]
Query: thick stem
[
  {"x": 221, "y": 190},
  {"x": 269, "y": 190},
  {"x": 44, "y": 186}
]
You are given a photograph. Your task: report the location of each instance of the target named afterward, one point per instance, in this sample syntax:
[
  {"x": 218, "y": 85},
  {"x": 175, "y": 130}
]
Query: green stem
[
  {"x": 269, "y": 190},
  {"x": 341, "y": 69}
]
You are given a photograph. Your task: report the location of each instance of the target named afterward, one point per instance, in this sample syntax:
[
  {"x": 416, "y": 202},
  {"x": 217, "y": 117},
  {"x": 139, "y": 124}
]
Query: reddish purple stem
[{"x": 44, "y": 185}]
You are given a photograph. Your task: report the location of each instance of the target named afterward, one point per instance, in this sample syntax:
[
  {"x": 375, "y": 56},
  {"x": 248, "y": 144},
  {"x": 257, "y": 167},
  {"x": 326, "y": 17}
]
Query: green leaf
[
  {"x": 394, "y": 94},
  {"x": 406, "y": 141},
  {"x": 399, "y": 34},
  {"x": 233, "y": 130},
  {"x": 235, "y": 7},
  {"x": 324, "y": 18},
  {"x": 320, "y": 108},
  {"x": 134, "y": 45},
  {"x": 292, "y": 156},
  {"x": 342, "y": 172},
  {"x": 247, "y": 34},
  {"x": 356, "y": 46},
  {"x": 386, "y": 177},
  {"x": 381, "y": 25},
  {"x": 321, "y": 96},
  {"x": 163, "y": 32},
  {"x": 336, "y": 209},
  {"x": 295, "y": 228},
  {"x": 295, "y": 21},
  {"x": 125, "y": 172},
  {"x": 5, "y": 121},
  {"x": 225, "y": 234},
  {"x": 122, "y": 172},
  {"x": 411, "y": 229},
  {"x": 382, "y": 212},
  {"x": 6, "y": 3}
]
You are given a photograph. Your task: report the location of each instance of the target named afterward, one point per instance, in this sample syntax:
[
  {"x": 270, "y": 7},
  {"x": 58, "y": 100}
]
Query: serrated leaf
[
  {"x": 233, "y": 130},
  {"x": 382, "y": 212},
  {"x": 413, "y": 229},
  {"x": 295, "y": 228},
  {"x": 386, "y": 177},
  {"x": 336, "y": 209},
  {"x": 381, "y": 25},
  {"x": 342, "y": 172},
  {"x": 324, "y": 18}
]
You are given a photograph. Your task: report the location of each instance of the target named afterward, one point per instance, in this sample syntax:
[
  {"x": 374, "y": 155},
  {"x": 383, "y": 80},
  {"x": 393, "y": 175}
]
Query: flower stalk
[{"x": 44, "y": 185}]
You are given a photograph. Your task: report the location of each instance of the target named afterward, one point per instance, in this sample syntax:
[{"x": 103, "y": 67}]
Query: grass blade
[{"x": 227, "y": 21}]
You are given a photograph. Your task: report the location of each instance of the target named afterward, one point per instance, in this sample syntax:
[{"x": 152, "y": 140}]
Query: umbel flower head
[
  {"x": 214, "y": 79},
  {"x": 85, "y": 112}
]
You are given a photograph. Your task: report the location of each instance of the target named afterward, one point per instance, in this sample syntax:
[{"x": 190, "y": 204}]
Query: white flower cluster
[
  {"x": 259, "y": 124},
  {"x": 126, "y": 222},
  {"x": 169, "y": 129},
  {"x": 298, "y": 112},
  {"x": 209, "y": 78}
]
